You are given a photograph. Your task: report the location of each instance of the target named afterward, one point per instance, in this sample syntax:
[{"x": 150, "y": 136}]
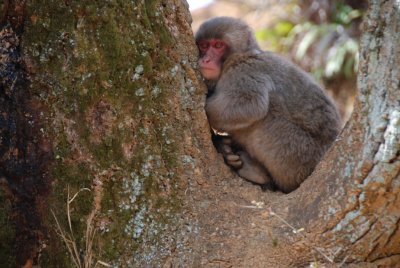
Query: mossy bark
[{"x": 116, "y": 96}]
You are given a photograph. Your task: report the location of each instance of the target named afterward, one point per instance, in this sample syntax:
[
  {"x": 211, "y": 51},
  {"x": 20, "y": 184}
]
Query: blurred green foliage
[
  {"x": 326, "y": 49},
  {"x": 275, "y": 34}
]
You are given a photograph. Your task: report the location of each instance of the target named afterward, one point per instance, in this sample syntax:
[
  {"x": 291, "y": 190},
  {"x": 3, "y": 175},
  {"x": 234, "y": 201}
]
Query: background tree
[{"x": 106, "y": 157}]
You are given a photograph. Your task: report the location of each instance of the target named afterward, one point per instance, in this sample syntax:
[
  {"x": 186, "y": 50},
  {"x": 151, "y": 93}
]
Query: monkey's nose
[{"x": 206, "y": 59}]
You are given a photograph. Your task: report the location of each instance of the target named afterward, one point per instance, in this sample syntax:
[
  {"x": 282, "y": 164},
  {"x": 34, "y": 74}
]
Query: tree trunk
[
  {"x": 354, "y": 211},
  {"x": 106, "y": 155}
]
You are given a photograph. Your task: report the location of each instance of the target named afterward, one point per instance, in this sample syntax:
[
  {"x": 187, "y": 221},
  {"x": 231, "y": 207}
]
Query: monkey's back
[
  {"x": 294, "y": 94},
  {"x": 301, "y": 122}
]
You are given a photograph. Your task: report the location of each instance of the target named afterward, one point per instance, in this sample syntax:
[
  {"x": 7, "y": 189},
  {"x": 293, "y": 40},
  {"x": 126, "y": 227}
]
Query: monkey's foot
[{"x": 252, "y": 170}]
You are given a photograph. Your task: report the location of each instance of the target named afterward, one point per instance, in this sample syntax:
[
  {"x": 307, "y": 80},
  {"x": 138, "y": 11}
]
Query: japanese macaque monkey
[{"x": 278, "y": 120}]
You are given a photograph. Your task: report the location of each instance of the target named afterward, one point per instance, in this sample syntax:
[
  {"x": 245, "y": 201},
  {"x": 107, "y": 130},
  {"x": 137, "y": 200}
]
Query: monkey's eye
[
  {"x": 203, "y": 45},
  {"x": 218, "y": 44}
]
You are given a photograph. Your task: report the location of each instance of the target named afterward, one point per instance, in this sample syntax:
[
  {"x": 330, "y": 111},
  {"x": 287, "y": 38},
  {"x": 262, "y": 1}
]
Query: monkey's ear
[{"x": 251, "y": 41}]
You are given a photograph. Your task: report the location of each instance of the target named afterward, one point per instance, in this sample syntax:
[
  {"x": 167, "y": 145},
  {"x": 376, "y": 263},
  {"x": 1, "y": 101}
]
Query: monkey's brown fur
[{"x": 281, "y": 120}]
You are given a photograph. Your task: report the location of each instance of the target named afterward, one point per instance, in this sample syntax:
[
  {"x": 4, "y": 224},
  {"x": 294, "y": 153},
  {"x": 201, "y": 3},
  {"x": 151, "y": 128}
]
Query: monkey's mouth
[
  {"x": 209, "y": 73},
  {"x": 208, "y": 69}
]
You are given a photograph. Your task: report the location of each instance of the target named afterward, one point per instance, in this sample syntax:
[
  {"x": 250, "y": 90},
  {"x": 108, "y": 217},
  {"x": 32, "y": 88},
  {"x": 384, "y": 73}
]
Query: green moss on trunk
[{"x": 103, "y": 69}]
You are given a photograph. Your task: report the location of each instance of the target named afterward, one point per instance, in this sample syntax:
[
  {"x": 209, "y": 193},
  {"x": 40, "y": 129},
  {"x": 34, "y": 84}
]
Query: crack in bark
[
  {"x": 226, "y": 263},
  {"x": 365, "y": 232},
  {"x": 372, "y": 250},
  {"x": 390, "y": 256},
  {"x": 389, "y": 238}
]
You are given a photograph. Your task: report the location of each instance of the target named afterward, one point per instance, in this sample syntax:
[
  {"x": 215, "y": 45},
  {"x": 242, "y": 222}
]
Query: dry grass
[
  {"x": 326, "y": 254},
  {"x": 69, "y": 238}
]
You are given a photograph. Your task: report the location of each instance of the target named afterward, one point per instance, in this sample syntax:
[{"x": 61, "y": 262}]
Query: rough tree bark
[{"x": 105, "y": 148}]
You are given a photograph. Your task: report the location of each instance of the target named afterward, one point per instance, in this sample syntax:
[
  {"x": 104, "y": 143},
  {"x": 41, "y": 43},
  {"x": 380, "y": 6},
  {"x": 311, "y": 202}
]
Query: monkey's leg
[{"x": 252, "y": 170}]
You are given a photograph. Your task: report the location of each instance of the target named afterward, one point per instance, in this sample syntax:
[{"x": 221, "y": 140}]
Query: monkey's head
[{"x": 217, "y": 39}]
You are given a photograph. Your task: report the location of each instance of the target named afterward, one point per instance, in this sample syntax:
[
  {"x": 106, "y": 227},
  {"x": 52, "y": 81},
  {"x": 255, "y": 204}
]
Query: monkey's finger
[
  {"x": 235, "y": 164},
  {"x": 226, "y": 149},
  {"x": 232, "y": 157},
  {"x": 233, "y": 160},
  {"x": 227, "y": 141}
]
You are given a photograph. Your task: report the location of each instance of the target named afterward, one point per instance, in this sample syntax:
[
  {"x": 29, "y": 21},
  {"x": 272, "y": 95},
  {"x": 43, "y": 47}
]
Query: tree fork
[{"x": 355, "y": 211}]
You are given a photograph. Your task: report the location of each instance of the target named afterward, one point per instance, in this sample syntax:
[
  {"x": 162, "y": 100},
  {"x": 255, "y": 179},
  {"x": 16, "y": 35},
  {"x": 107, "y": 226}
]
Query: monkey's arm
[{"x": 239, "y": 100}]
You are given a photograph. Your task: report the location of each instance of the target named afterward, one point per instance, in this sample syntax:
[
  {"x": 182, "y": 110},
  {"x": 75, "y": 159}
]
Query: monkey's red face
[{"x": 211, "y": 52}]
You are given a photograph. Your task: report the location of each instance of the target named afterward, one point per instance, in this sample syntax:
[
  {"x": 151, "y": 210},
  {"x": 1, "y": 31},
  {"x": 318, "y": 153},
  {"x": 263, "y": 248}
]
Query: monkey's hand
[
  {"x": 233, "y": 160},
  {"x": 230, "y": 157}
]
